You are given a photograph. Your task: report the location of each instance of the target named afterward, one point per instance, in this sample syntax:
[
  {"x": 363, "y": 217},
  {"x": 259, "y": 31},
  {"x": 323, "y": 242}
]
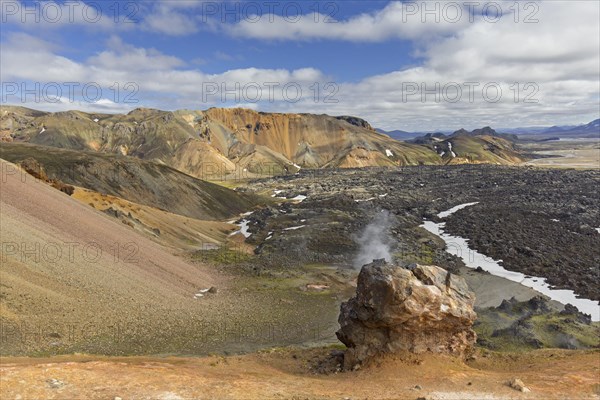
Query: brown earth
[
  {"x": 61, "y": 255},
  {"x": 293, "y": 374},
  {"x": 171, "y": 230}
]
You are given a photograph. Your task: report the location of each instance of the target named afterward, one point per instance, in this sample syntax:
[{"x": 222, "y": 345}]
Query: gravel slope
[
  {"x": 75, "y": 294},
  {"x": 60, "y": 258}
]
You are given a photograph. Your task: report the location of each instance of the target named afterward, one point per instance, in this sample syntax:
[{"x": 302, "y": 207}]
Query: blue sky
[{"x": 412, "y": 66}]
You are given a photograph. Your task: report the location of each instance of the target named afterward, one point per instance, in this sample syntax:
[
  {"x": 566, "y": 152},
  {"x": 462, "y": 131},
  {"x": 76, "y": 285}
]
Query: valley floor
[
  {"x": 292, "y": 374},
  {"x": 578, "y": 153}
]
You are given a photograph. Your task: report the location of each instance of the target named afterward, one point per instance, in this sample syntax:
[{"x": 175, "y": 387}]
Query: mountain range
[
  {"x": 589, "y": 130},
  {"x": 219, "y": 142}
]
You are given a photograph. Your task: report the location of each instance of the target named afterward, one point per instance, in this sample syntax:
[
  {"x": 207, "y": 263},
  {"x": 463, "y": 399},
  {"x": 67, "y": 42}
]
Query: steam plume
[{"x": 375, "y": 241}]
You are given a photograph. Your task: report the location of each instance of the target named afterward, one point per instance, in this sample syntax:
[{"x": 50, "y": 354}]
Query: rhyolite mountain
[
  {"x": 480, "y": 146},
  {"x": 220, "y": 141}
]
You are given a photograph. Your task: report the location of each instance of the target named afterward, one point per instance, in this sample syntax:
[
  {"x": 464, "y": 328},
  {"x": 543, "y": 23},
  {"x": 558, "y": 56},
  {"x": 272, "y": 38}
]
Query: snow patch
[
  {"x": 293, "y": 228},
  {"x": 450, "y": 149},
  {"x": 389, "y": 153},
  {"x": 243, "y": 229},
  {"x": 43, "y": 130},
  {"x": 451, "y": 211},
  {"x": 300, "y": 198},
  {"x": 96, "y": 120},
  {"x": 473, "y": 259}
]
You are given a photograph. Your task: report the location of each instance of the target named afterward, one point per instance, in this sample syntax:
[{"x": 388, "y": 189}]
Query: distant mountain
[
  {"x": 485, "y": 131},
  {"x": 589, "y": 130},
  {"x": 524, "y": 130},
  {"x": 479, "y": 146},
  {"x": 398, "y": 134}
]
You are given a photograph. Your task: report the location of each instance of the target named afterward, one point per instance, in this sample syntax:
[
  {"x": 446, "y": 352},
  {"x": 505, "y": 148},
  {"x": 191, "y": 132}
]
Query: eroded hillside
[{"x": 219, "y": 142}]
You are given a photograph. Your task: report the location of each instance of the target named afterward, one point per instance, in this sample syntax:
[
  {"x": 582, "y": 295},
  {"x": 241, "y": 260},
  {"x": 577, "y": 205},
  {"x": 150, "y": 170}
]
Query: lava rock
[{"x": 396, "y": 309}]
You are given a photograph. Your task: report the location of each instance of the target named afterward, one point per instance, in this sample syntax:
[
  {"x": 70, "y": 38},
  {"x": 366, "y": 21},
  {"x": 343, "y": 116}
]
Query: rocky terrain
[
  {"x": 269, "y": 264},
  {"x": 421, "y": 309},
  {"x": 540, "y": 222},
  {"x": 278, "y": 278},
  {"x": 301, "y": 245},
  {"x": 533, "y": 324}
]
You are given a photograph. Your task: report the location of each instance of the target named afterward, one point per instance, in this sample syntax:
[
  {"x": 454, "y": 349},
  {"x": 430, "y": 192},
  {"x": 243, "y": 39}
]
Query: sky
[{"x": 414, "y": 66}]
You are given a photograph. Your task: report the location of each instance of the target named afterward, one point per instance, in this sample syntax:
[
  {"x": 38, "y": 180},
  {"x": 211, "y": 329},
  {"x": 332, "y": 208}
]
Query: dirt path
[{"x": 286, "y": 374}]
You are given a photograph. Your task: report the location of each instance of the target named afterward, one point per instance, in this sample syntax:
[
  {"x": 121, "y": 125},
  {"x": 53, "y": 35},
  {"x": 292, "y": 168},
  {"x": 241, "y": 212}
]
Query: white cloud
[
  {"x": 158, "y": 76},
  {"x": 220, "y": 55},
  {"x": 176, "y": 17},
  {"x": 64, "y": 103},
  {"x": 170, "y": 18},
  {"x": 408, "y": 20},
  {"x": 30, "y": 58},
  {"x": 121, "y": 57}
]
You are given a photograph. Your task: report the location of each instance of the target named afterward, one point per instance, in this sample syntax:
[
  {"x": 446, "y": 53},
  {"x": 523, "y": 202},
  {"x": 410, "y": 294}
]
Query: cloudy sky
[{"x": 413, "y": 66}]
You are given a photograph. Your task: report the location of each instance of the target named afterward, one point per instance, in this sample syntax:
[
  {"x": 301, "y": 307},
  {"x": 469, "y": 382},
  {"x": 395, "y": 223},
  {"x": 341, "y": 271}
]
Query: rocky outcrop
[
  {"x": 33, "y": 168},
  {"x": 356, "y": 121},
  {"x": 423, "y": 309}
]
